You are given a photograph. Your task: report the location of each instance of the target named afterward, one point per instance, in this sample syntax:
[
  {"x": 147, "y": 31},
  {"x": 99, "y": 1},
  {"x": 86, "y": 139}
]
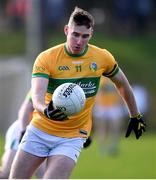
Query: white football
[{"x": 70, "y": 98}]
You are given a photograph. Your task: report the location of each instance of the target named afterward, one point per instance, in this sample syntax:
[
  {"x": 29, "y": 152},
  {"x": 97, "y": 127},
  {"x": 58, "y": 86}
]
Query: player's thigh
[
  {"x": 63, "y": 158},
  {"x": 24, "y": 165},
  {"x": 7, "y": 160},
  {"x": 59, "y": 167},
  {"x": 41, "y": 170}
]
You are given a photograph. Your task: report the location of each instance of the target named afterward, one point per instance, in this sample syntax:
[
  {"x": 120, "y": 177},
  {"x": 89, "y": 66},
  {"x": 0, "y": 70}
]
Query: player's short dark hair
[{"x": 81, "y": 18}]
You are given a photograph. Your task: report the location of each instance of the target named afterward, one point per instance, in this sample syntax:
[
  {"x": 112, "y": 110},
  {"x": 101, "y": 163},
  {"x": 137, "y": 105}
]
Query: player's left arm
[
  {"x": 136, "y": 122},
  {"x": 126, "y": 92}
]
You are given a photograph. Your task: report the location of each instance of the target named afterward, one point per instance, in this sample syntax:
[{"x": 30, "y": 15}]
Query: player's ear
[
  {"x": 66, "y": 30},
  {"x": 91, "y": 34}
]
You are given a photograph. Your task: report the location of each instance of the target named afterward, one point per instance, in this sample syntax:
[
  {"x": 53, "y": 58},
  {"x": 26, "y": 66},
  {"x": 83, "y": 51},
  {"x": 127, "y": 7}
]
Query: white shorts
[
  {"x": 41, "y": 144},
  {"x": 113, "y": 113},
  {"x": 12, "y": 136}
]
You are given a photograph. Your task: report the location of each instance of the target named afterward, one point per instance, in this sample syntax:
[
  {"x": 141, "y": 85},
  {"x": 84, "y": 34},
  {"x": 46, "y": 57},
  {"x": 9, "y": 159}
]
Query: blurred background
[{"x": 127, "y": 28}]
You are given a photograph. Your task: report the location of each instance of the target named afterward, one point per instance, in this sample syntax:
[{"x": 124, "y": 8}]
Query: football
[{"x": 69, "y": 98}]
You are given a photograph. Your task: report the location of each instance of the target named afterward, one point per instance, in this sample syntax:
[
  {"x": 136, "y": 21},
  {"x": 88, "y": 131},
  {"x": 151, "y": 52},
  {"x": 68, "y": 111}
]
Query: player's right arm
[
  {"x": 39, "y": 82},
  {"x": 39, "y": 85},
  {"x": 39, "y": 89}
]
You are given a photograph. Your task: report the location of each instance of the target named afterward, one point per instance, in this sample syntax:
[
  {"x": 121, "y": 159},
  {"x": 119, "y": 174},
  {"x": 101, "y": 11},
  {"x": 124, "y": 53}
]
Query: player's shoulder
[
  {"x": 52, "y": 50},
  {"x": 98, "y": 49}
]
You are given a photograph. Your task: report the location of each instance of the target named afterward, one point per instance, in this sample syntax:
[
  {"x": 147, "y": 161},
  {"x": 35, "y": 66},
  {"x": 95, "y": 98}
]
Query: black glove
[
  {"x": 54, "y": 114},
  {"x": 88, "y": 142},
  {"x": 21, "y": 136},
  {"x": 137, "y": 125}
]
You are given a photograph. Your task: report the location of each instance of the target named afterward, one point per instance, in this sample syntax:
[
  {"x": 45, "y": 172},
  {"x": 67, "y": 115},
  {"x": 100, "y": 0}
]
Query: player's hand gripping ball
[{"x": 69, "y": 98}]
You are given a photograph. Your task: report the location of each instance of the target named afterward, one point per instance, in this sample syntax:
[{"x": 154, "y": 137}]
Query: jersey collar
[{"x": 75, "y": 55}]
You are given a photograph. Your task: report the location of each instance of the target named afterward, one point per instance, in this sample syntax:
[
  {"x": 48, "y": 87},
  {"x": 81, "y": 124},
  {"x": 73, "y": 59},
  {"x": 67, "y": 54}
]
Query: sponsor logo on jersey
[
  {"x": 88, "y": 84},
  {"x": 89, "y": 88},
  {"x": 93, "y": 66},
  {"x": 63, "y": 68}
]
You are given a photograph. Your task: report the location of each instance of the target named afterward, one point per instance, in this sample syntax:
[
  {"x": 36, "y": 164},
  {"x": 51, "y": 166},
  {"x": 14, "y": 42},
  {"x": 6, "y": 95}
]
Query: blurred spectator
[
  {"x": 123, "y": 10},
  {"x": 16, "y": 11},
  {"x": 143, "y": 10},
  {"x": 108, "y": 115},
  {"x": 55, "y": 12}
]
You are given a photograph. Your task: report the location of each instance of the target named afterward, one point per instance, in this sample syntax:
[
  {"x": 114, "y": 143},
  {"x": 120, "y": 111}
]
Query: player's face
[{"x": 77, "y": 38}]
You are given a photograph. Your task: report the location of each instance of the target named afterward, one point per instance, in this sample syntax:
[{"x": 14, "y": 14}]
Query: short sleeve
[
  {"x": 111, "y": 66},
  {"x": 40, "y": 67}
]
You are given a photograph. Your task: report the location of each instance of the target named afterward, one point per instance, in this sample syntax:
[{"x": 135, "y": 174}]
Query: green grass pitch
[{"x": 136, "y": 160}]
